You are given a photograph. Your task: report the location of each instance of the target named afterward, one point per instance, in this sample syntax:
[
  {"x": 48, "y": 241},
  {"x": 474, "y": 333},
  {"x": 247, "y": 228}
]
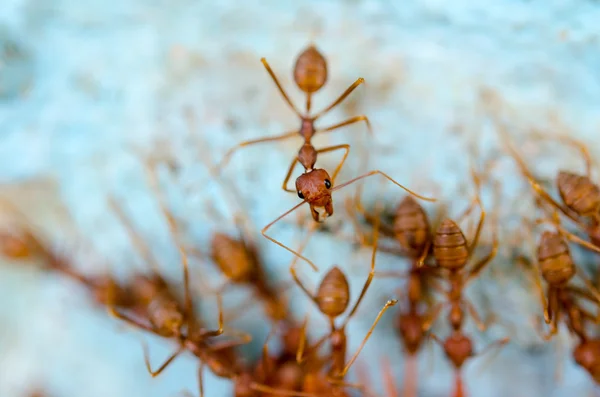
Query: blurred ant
[
  {"x": 580, "y": 196},
  {"x": 452, "y": 252},
  {"x": 332, "y": 299}
]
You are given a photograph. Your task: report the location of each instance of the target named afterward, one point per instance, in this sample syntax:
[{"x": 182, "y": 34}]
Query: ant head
[
  {"x": 315, "y": 186},
  {"x": 333, "y": 294},
  {"x": 458, "y": 348},
  {"x": 310, "y": 71}
]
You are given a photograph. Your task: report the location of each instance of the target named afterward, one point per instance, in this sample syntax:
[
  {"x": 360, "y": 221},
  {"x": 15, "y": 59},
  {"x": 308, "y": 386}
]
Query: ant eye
[
  {"x": 300, "y": 195},
  {"x": 327, "y": 183}
]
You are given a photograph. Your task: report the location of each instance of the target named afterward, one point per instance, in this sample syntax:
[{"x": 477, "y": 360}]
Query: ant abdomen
[
  {"x": 411, "y": 226},
  {"x": 333, "y": 294},
  {"x": 310, "y": 71},
  {"x": 555, "y": 259},
  {"x": 450, "y": 246},
  {"x": 232, "y": 257},
  {"x": 579, "y": 193}
]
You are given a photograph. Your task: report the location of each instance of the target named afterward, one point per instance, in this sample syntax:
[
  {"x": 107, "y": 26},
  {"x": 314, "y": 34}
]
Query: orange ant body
[
  {"x": 412, "y": 232},
  {"x": 332, "y": 299},
  {"x": 310, "y": 75},
  {"x": 315, "y": 185},
  {"x": 558, "y": 269},
  {"x": 452, "y": 253}
]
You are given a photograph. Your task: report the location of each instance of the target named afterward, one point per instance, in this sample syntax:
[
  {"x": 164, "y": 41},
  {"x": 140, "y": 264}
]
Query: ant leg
[
  {"x": 478, "y": 267},
  {"x": 337, "y": 170},
  {"x": 219, "y": 331},
  {"x": 264, "y": 230},
  {"x": 389, "y": 178},
  {"x": 227, "y": 157},
  {"x": 475, "y": 239},
  {"x": 589, "y": 285},
  {"x": 494, "y": 345},
  {"x": 189, "y": 305},
  {"x": 344, "y": 123},
  {"x": 289, "y": 175},
  {"x": 164, "y": 365},
  {"x": 293, "y": 265},
  {"x": 538, "y": 286},
  {"x": 388, "y": 304},
  {"x": 475, "y": 316},
  {"x": 281, "y": 90},
  {"x": 432, "y": 317},
  {"x": 421, "y": 259},
  {"x": 201, "y": 379},
  {"x": 371, "y": 273},
  {"x": 137, "y": 241},
  {"x": 339, "y": 100}
]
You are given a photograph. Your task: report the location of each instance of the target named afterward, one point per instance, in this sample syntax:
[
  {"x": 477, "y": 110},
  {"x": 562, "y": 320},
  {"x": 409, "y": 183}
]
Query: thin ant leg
[
  {"x": 281, "y": 90},
  {"x": 475, "y": 240},
  {"x": 289, "y": 175},
  {"x": 432, "y": 316},
  {"x": 137, "y": 241},
  {"x": 201, "y": 379},
  {"x": 478, "y": 267},
  {"x": 293, "y": 265},
  {"x": 388, "y": 304},
  {"x": 421, "y": 259},
  {"x": 538, "y": 286},
  {"x": 573, "y": 142},
  {"x": 344, "y": 123},
  {"x": 264, "y": 230},
  {"x": 348, "y": 91},
  {"x": 494, "y": 345},
  {"x": 164, "y": 365},
  {"x": 337, "y": 170},
  {"x": 590, "y": 286},
  {"x": 475, "y": 316},
  {"x": 231, "y": 152},
  {"x": 371, "y": 273},
  {"x": 389, "y": 178},
  {"x": 189, "y": 304},
  {"x": 219, "y": 331},
  {"x": 542, "y": 193}
]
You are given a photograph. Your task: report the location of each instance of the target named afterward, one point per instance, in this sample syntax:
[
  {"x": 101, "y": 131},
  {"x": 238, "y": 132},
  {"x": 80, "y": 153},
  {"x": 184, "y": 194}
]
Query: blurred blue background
[{"x": 86, "y": 85}]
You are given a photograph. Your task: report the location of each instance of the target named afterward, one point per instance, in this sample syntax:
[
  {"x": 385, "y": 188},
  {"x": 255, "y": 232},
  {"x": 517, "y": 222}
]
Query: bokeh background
[{"x": 85, "y": 86}]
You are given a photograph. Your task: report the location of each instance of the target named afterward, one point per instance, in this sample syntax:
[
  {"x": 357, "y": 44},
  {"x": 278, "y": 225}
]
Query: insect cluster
[{"x": 441, "y": 260}]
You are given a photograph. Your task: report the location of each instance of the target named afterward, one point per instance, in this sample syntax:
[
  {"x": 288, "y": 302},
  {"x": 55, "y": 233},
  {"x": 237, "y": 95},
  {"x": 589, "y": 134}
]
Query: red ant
[
  {"x": 332, "y": 299},
  {"x": 310, "y": 75},
  {"x": 452, "y": 253},
  {"x": 315, "y": 185},
  {"x": 580, "y": 196}
]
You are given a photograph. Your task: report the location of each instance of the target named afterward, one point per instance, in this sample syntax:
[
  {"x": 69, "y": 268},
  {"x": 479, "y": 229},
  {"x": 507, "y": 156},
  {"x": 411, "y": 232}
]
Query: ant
[
  {"x": 310, "y": 75},
  {"x": 580, "y": 196},
  {"x": 452, "y": 253},
  {"x": 332, "y": 299},
  {"x": 26, "y": 244},
  {"x": 165, "y": 316},
  {"x": 411, "y": 229},
  {"x": 315, "y": 185}
]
